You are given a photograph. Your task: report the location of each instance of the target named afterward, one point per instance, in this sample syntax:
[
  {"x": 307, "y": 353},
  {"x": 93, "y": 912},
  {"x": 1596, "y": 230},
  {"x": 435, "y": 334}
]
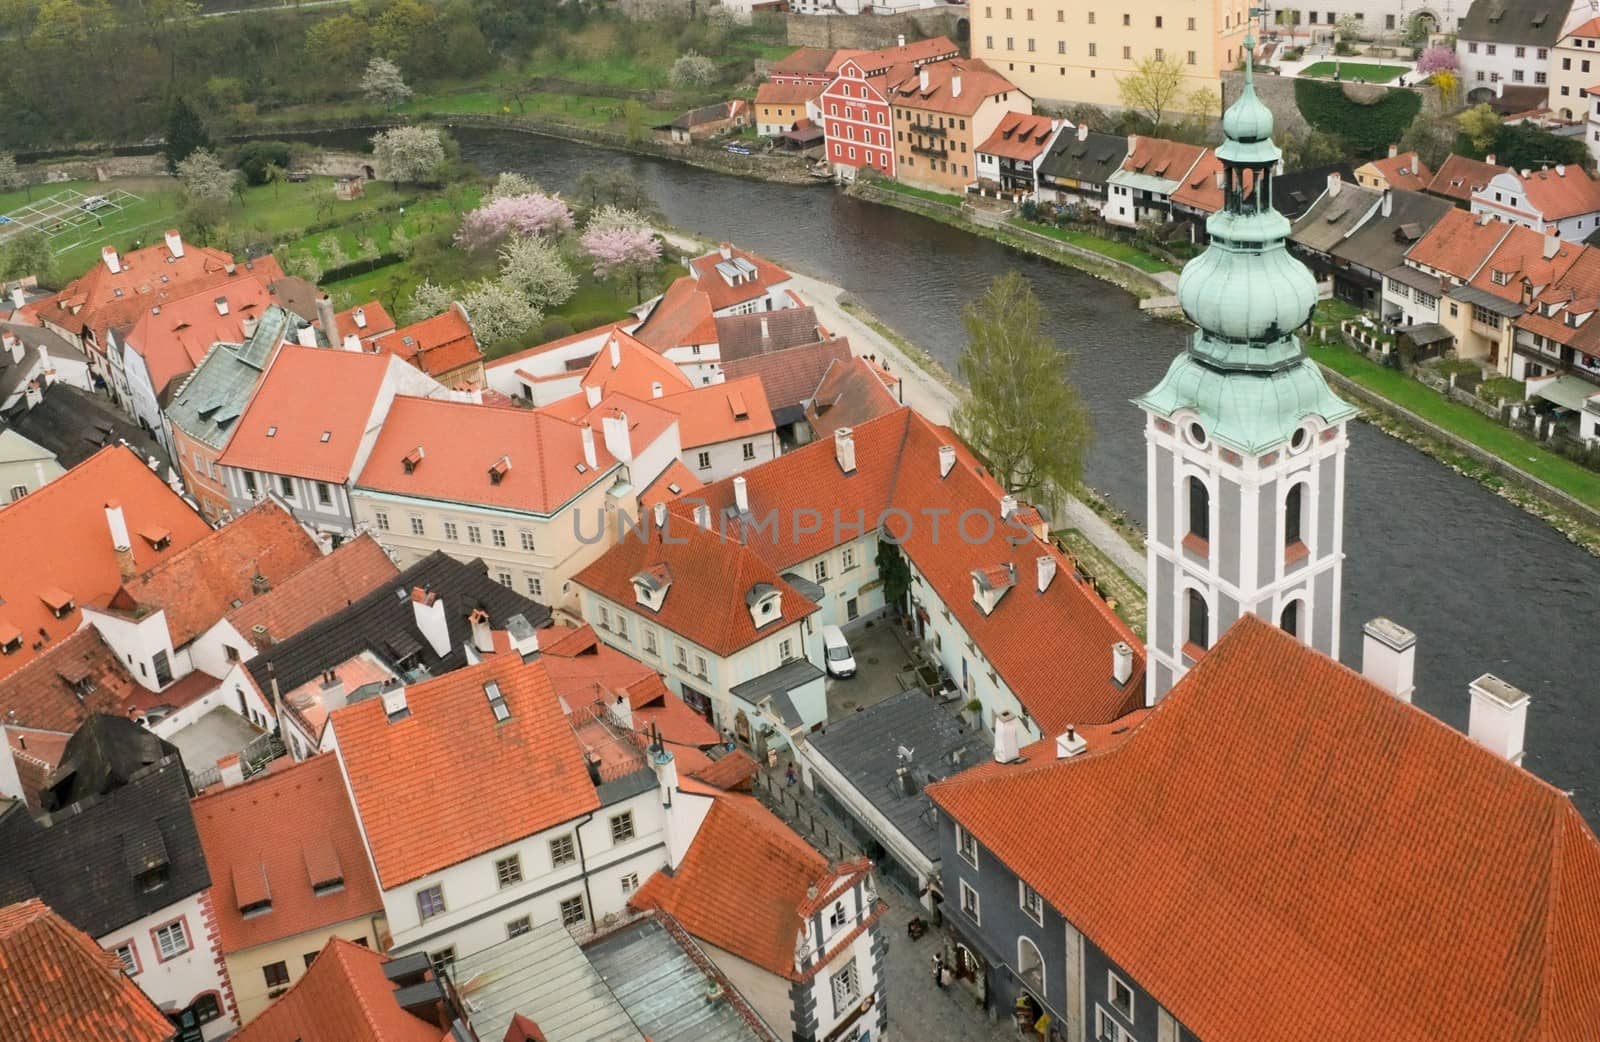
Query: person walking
[
  {"x": 789, "y": 776},
  {"x": 938, "y": 970}
]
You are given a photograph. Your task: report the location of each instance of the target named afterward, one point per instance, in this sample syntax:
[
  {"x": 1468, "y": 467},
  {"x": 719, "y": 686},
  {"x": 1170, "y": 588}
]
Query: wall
[
  {"x": 869, "y": 32},
  {"x": 766, "y": 992},
  {"x": 98, "y": 168},
  {"x": 137, "y": 642},
  {"x": 178, "y": 982},
  {"x": 550, "y": 365},
  {"x": 31, "y": 475},
  {"x": 245, "y": 967},
  {"x": 727, "y": 458},
  {"x": 197, "y": 465}
]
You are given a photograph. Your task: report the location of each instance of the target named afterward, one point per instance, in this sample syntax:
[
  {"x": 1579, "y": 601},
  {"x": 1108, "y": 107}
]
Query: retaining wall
[{"x": 871, "y": 31}]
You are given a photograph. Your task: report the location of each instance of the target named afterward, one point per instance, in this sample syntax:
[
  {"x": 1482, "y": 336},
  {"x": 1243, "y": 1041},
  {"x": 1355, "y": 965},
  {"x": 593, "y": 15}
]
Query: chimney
[
  {"x": 247, "y": 326},
  {"x": 306, "y": 336},
  {"x": 112, "y": 261},
  {"x": 1070, "y": 744},
  {"x": 1008, "y": 506},
  {"x": 351, "y": 342},
  {"x": 394, "y": 704},
  {"x": 482, "y": 635},
  {"x": 19, "y": 297},
  {"x": 591, "y": 395},
  {"x": 1121, "y": 663},
  {"x": 44, "y": 364},
  {"x": 616, "y": 351},
  {"x": 726, "y": 249},
  {"x": 428, "y": 609},
  {"x": 619, "y": 442},
  {"x": 1335, "y": 183},
  {"x": 333, "y": 694},
  {"x": 174, "y": 243},
  {"x": 955, "y": 86},
  {"x": 1388, "y": 202},
  {"x": 922, "y": 78},
  {"x": 1561, "y": 170},
  {"x": 844, "y": 449},
  {"x": 901, "y": 40},
  {"x": 326, "y": 319},
  {"x": 361, "y": 318},
  {"x": 702, "y": 516},
  {"x": 524, "y": 638},
  {"x": 947, "y": 460},
  {"x": 1490, "y": 159},
  {"x": 622, "y": 713},
  {"x": 589, "y": 456},
  {"x": 231, "y": 768},
  {"x": 222, "y": 305},
  {"x": 741, "y": 494},
  {"x": 260, "y": 584},
  {"x": 1047, "y": 571},
  {"x": 1552, "y": 245},
  {"x": 1389, "y": 657},
  {"x": 655, "y": 389},
  {"x": 13, "y": 345},
  {"x": 1222, "y": 179},
  {"x": 1498, "y": 717},
  {"x": 1394, "y": 150},
  {"x": 1005, "y": 737},
  {"x": 119, "y": 538},
  {"x": 1083, "y": 132},
  {"x": 765, "y": 333},
  {"x": 660, "y": 513}
]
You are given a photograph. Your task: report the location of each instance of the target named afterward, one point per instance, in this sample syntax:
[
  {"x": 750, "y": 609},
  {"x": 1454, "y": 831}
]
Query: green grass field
[
  {"x": 1105, "y": 247},
  {"x": 1364, "y": 72},
  {"x": 920, "y": 193}
]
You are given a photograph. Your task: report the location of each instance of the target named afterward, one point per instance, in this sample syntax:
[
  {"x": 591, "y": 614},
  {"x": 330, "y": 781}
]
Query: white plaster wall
[
  {"x": 209, "y": 650},
  {"x": 175, "y": 984},
  {"x": 137, "y": 642},
  {"x": 727, "y": 457}
]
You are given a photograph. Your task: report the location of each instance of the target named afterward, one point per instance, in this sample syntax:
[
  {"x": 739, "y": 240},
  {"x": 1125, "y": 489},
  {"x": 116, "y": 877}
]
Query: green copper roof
[{"x": 1250, "y": 413}]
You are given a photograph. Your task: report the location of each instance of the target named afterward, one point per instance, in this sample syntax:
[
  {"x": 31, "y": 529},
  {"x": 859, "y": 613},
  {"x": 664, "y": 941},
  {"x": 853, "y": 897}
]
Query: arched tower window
[
  {"x": 1199, "y": 510},
  {"x": 1292, "y": 507},
  {"x": 1199, "y": 615},
  {"x": 1289, "y": 621}
]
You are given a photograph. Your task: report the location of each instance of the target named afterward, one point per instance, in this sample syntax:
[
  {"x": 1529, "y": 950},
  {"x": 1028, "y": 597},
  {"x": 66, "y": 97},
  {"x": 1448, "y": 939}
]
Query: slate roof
[
  {"x": 1302, "y": 855},
  {"x": 324, "y": 586},
  {"x": 1294, "y": 192},
  {"x": 1382, "y": 242},
  {"x": 546, "y": 977},
  {"x": 1332, "y": 217},
  {"x": 74, "y": 424},
  {"x": 741, "y": 336},
  {"x": 1534, "y": 23},
  {"x": 790, "y": 377},
  {"x": 849, "y": 393},
  {"x": 83, "y": 860},
  {"x": 174, "y": 337},
  {"x": 57, "y": 985},
  {"x": 863, "y": 747},
  {"x": 207, "y": 405},
  {"x": 385, "y": 616},
  {"x": 345, "y": 996},
  {"x": 104, "y": 753},
  {"x": 32, "y": 337},
  {"x": 1092, "y": 160},
  {"x": 664, "y": 988}
]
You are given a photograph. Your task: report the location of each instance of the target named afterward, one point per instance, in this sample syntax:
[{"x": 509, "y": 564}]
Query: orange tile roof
[
  {"x": 202, "y": 583},
  {"x": 419, "y": 781},
  {"x": 1558, "y": 196},
  {"x": 1521, "y": 256},
  {"x": 680, "y": 318},
  {"x": 375, "y": 315},
  {"x": 1158, "y": 157},
  {"x": 293, "y": 828},
  {"x": 282, "y": 429},
  {"x": 716, "y": 413},
  {"x": 635, "y": 371},
  {"x": 1591, "y": 28},
  {"x": 1460, "y": 176},
  {"x": 57, "y": 538},
  {"x": 307, "y": 705},
  {"x": 979, "y": 83},
  {"x": 1019, "y": 135},
  {"x": 1406, "y": 170},
  {"x": 741, "y": 884},
  {"x": 770, "y": 93},
  {"x": 710, "y": 577},
  {"x": 552, "y": 345},
  {"x": 1577, "y": 291},
  {"x": 43, "y": 693},
  {"x": 1199, "y": 189},
  {"x": 173, "y": 337},
  {"x": 1051, "y": 649},
  {"x": 343, "y": 997},
  {"x": 661, "y": 489},
  {"x": 1428, "y": 882},
  {"x": 915, "y": 52},
  {"x": 716, "y": 289},
  {"x": 462, "y": 443},
  {"x": 1458, "y": 244},
  {"x": 319, "y": 589},
  {"x": 732, "y": 771},
  {"x": 436, "y": 345},
  {"x": 849, "y": 394},
  {"x": 57, "y": 985}
]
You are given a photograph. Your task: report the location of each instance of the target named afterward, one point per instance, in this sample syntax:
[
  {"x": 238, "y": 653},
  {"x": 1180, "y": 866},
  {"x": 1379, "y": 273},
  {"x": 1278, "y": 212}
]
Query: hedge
[{"x": 1369, "y": 129}]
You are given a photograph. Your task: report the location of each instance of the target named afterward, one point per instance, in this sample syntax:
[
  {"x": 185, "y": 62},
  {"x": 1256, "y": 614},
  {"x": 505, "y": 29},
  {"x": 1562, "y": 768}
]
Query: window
[
  {"x": 1291, "y": 515},
  {"x": 1119, "y": 995},
  {"x": 171, "y": 940},
  {"x": 966, "y": 846},
  {"x": 430, "y": 902},
  {"x": 129, "y": 958},
  {"x": 630, "y": 882},
  {"x": 381, "y": 520},
  {"x": 785, "y": 650},
  {"x": 1289, "y": 621},
  {"x": 1191, "y": 58},
  {"x": 451, "y": 532},
  {"x": 497, "y": 536},
  {"x": 416, "y": 525},
  {"x": 1031, "y": 903},
  {"x": 750, "y": 446},
  {"x": 1489, "y": 48},
  {"x": 1127, "y": 53},
  {"x": 276, "y": 975},
  {"x": 1161, "y": 55},
  {"x": 475, "y": 535},
  {"x": 1158, "y": 21},
  {"x": 535, "y": 586},
  {"x": 1199, "y": 514},
  {"x": 1091, "y": 17},
  {"x": 700, "y": 666},
  {"x": 1199, "y": 622},
  {"x": 846, "y": 988},
  {"x": 1061, "y": 47},
  {"x": 1011, "y": 43},
  {"x": 1427, "y": 300},
  {"x": 206, "y": 1009},
  {"x": 508, "y": 871},
  {"x": 1485, "y": 317},
  {"x": 1092, "y": 50},
  {"x": 527, "y": 540},
  {"x": 605, "y": 617},
  {"x": 703, "y": 460},
  {"x": 518, "y": 927},
  {"x": 820, "y": 570},
  {"x": 649, "y": 637},
  {"x": 309, "y": 958},
  {"x": 622, "y": 827},
  {"x": 1522, "y": 52},
  {"x": 324, "y": 494},
  {"x": 561, "y": 851},
  {"x": 572, "y": 911},
  {"x": 969, "y": 903},
  {"x": 163, "y": 668},
  {"x": 444, "y": 960},
  {"x": 18, "y": 491},
  {"x": 503, "y": 578},
  {"x": 1127, "y": 19},
  {"x": 682, "y": 658},
  {"x": 1566, "y": 63},
  {"x": 286, "y": 486},
  {"x": 1030, "y": 43},
  {"x": 1191, "y": 25}
]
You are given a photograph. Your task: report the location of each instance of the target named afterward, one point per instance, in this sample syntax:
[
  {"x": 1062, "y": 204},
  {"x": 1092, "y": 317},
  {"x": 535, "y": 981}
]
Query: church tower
[{"x": 1245, "y": 443}]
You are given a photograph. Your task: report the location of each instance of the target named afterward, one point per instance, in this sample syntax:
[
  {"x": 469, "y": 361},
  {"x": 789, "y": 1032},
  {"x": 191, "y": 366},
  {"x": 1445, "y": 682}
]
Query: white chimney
[
  {"x": 1005, "y": 737},
  {"x": 1083, "y": 132},
  {"x": 394, "y": 702},
  {"x": 1394, "y": 150},
  {"x": 1222, "y": 178},
  {"x": 765, "y": 334},
  {"x": 1498, "y": 718},
  {"x": 660, "y": 512},
  {"x": 1388, "y": 202},
  {"x": 361, "y": 318},
  {"x": 922, "y": 78},
  {"x": 19, "y": 297},
  {"x": 174, "y": 243},
  {"x": 1070, "y": 744},
  {"x": 1490, "y": 159},
  {"x": 306, "y": 336},
  {"x": 1552, "y": 245},
  {"x": 589, "y": 457},
  {"x": 13, "y": 345},
  {"x": 1335, "y": 183},
  {"x": 1121, "y": 662},
  {"x": 702, "y": 516},
  {"x": 112, "y": 261},
  {"x": 619, "y": 442},
  {"x": 901, "y": 40},
  {"x": 482, "y": 634},
  {"x": 524, "y": 638},
  {"x": 741, "y": 495},
  {"x": 616, "y": 351},
  {"x": 333, "y": 695},
  {"x": 844, "y": 449},
  {"x": 118, "y": 525},
  {"x": 947, "y": 460},
  {"x": 351, "y": 342},
  {"x": 726, "y": 249},
  {"x": 231, "y": 770},
  {"x": 1389, "y": 657},
  {"x": 1008, "y": 506},
  {"x": 1561, "y": 170},
  {"x": 428, "y": 609},
  {"x": 655, "y": 389},
  {"x": 622, "y": 713},
  {"x": 955, "y": 86},
  {"x": 44, "y": 364},
  {"x": 327, "y": 320},
  {"x": 1047, "y": 571},
  {"x": 247, "y": 326},
  {"x": 591, "y": 394}
]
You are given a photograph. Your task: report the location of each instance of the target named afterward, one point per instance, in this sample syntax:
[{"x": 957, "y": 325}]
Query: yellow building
[
  {"x": 942, "y": 112},
  {"x": 1077, "y": 50},
  {"x": 1574, "y": 68}
]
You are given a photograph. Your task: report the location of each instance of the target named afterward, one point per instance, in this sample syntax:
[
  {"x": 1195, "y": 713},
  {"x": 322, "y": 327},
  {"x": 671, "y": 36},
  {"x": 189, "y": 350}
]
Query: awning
[
  {"x": 1424, "y": 333},
  {"x": 1569, "y": 392}
]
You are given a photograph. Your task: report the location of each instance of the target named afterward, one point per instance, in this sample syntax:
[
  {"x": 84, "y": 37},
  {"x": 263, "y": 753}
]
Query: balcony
[
  {"x": 929, "y": 129},
  {"x": 937, "y": 152}
]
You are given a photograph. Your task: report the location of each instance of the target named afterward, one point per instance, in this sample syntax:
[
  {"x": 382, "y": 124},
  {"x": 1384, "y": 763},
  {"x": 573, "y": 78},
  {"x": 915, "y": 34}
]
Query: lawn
[
  {"x": 1364, "y": 72},
  {"x": 1128, "y": 597},
  {"x": 920, "y": 193},
  {"x": 1463, "y": 421},
  {"x": 1105, "y": 247}
]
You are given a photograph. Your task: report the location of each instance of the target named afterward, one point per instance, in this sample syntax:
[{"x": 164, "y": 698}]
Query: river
[{"x": 1486, "y": 587}]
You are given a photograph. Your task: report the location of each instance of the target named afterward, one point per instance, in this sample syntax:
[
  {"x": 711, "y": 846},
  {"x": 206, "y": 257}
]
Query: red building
[{"x": 856, "y": 121}]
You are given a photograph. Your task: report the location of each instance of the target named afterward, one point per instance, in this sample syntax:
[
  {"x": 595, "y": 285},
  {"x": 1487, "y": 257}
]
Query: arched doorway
[{"x": 1030, "y": 964}]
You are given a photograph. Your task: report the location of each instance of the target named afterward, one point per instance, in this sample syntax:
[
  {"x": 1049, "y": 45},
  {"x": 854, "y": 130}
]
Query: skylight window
[
  {"x": 497, "y": 702},
  {"x": 325, "y": 436},
  {"x": 272, "y": 432}
]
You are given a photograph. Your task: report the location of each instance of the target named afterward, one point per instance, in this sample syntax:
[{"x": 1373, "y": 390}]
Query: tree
[
  {"x": 1311, "y": 148},
  {"x": 895, "y": 573},
  {"x": 204, "y": 179},
  {"x": 338, "y": 42},
  {"x": 1151, "y": 88},
  {"x": 1348, "y": 28},
  {"x": 1438, "y": 59},
  {"x": 11, "y": 178},
  {"x": 427, "y": 300},
  {"x": 185, "y": 132},
  {"x": 1431, "y": 139},
  {"x": 1481, "y": 124},
  {"x": 633, "y": 121},
  {"x": 27, "y": 253},
  {"x": 497, "y": 312},
  {"x": 333, "y": 251},
  {"x": 1417, "y": 29},
  {"x": 1448, "y": 83},
  {"x": 409, "y": 154},
  {"x": 1022, "y": 416},
  {"x": 621, "y": 252},
  {"x": 536, "y": 269},
  {"x": 1523, "y": 146},
  {"x": 692, "y": 70},
  {"x": 522, "y": 215},
  {"x": 511, "y": 183},
  {"x": 257, "y": 158},
  {"x": 383, "y": 85}
]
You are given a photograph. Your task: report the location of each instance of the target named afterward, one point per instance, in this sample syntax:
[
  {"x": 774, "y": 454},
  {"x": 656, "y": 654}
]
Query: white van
[{"x": 836, "y": 653}]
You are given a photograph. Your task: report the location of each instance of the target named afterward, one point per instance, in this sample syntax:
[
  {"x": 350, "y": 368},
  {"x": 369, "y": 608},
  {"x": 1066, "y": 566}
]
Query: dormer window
[
  {"x": 412, "y": 460},
  {"x": 650, "y": 586},
  {"x": 501, "y": 468},
  {"x": 58, "y": 601},
  {"x": 158, "y": 538},
  {"x": 1500, "y": 278},
  {"x": 10, "y": 638}
]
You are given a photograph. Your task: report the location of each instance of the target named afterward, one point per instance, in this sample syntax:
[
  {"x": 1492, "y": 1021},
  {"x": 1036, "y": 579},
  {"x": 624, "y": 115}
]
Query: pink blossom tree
[
  {"x": 1438, "y": 59},
  {"x": 529, "y": 215},
  {"x": 622, "y": 252}
]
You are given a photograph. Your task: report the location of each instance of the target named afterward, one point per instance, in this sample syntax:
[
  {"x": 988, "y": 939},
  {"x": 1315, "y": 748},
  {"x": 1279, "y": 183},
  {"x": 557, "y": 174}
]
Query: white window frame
[
  {"x": 966, "y": 846},
  {"x": 443, "y": 907},
  {"x": 975, "y": 913},
  {"x": 451, "y": 532},
  {"x": 508, "y": 871},
  {"x": 172, "y": 939},
  {"x": 1036, "y": 911},
  {"x": 846, "y": 988},
  {"x": 1112, "y": 983},
  {"x": 571, "y": 856},
  {"x": 623, "y": 823},
  {"x": 563, "y": 909}
]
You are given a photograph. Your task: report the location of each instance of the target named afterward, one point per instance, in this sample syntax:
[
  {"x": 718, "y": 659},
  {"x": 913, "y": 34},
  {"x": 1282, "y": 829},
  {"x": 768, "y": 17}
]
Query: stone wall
[
  {"x": 102, "y": 168},
  {"x": 868, "y": 32}
]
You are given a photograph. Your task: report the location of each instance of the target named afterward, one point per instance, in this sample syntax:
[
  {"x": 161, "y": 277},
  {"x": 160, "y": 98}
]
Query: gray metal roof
[
  {"x": 1332, "y": 217},
  {"x": 1488, "y": 301},
  {"x": 1424, "y": 333},
  {"x": 776, "y": 685},
  {"x": 544, "y": 976},
  {"x": 864, "y": 748},
  {"x": 663, "y": 990},
  {"x": 809, "y": 590},
  {"x": 1381, "y": 243},
  {"x": 206, "y": 404},
  {"x": 1415, "y": 278}
]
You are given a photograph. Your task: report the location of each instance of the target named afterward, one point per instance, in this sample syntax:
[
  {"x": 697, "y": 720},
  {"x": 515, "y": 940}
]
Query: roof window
[
  {"x": 272, "y": 432},
  {"x": 497, "y": 702},
  {"x": 502, "y": 467},
  {"x": 57, "y": 600},
  {"x": 325, "y": 436},
  {"x": 413, "y": 459}
]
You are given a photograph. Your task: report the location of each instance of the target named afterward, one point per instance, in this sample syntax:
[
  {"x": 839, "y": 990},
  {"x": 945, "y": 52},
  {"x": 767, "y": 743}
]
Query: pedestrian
[
  {"x": 938, "y": 970},
  {"x": 789, "y": 776}
]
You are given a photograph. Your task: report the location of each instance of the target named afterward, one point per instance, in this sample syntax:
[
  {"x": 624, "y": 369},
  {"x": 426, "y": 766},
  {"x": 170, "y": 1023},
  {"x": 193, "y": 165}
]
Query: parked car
[
  {"x": 836, "y": 653},
  {"x": 95, "y": 202},
  {"x": 297, "y": 176},
  {"x": 739, "y": 150}
]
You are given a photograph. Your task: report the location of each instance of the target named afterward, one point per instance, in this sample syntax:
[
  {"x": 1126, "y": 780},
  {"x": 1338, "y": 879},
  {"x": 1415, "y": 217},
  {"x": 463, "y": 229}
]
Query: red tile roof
[
  {"x": 849, "y": 394},
  {"x": 419, "y": 781},
  {"x": 1577, "y": 291},
  {"x": 914, "y": 53},
  {"x": 57, "y": 538},
  {"x": 979, "y": 83},
  {"x": 732, "y": 771},
  {"x": 202, "y": 583},
  {"x": 719, "y": 292},
  {"x": 1405, "y": 170},
  {"x": 437, "y": 345},
  {"x": 1521, "y": 256},
  {"x": 343, "y": 997},
  {"x": 1199, "y": 189},
  {"x": 319, "y": 589},
  {"x": 1158, "y": 157},
  {"x": 1051, "y": 649},
  {"x": 787, "y": 93},
  {"x": 805, "y": 61},
  {"x": 1459, "y": 243},
  {"x": 710, "y": 576},
  {"x": 282, "y": 429},
  {"x": 173, "y": 337},
  {"x": 1427, "y": 883},
  {"x": 292, "y": 829},
  {"x": 553, "y": 345},
  {"x": 682, "y": 317},
  {"x": 43, "y": 693},
  {"x": 635, "y": 371},
  {"x": 1019, "y": 135},
  {"x": 1557, "y": 196},
  {"x": 790, "y": 376},
  {"x": 715, "y": 413},
  {"x": 462, "y": 443},
  {"x": 57, "y": 985},
  {"x": 373, "y": 313},
  {"x": 1460, "y": 176},
  {"x": 661, "y": 489}
]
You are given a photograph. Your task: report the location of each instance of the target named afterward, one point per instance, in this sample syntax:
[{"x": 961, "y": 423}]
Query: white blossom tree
[
  {"x": 536, "y": 269},
  {"x": 693, "y": 70},
  {"x": 510, "y": 183},
  {"x": 10, "y": 178},
  {"x": 426, "y": 301},
  {"x": 383, "y": 85},
  {"x": 498, "y": 312},
  {"x": 204, "y": 179},
  {"x": 409, "y": 153}
]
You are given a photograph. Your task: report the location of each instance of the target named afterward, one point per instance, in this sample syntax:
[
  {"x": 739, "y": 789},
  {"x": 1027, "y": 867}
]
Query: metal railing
[{"x": 935, "y": 151}]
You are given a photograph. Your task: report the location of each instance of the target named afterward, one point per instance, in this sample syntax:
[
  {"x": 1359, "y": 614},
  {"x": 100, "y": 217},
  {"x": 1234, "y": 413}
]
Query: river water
[{"x": 1486, "y": 587}]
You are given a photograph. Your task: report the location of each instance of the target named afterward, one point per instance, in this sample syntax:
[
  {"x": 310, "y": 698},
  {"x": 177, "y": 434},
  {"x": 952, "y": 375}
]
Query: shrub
[
  {"x": 1369, "y": 129},
  {"x": 257, "y": 158}
]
